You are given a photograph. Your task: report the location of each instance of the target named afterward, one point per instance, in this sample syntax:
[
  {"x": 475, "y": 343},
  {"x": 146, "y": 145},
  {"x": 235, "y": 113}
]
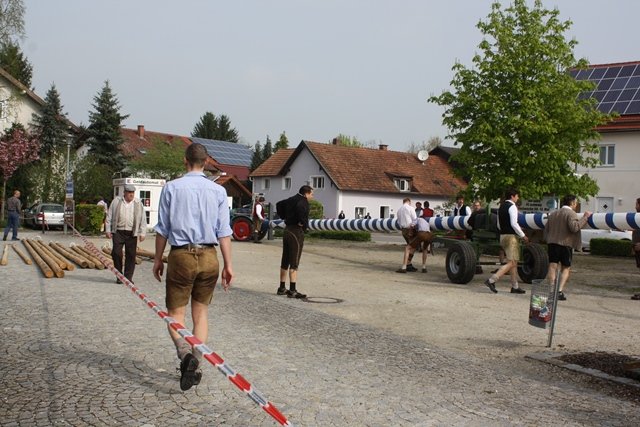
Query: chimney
[
  {"x": 141, "y": 131},
  {"x": 383, "y": 147}
]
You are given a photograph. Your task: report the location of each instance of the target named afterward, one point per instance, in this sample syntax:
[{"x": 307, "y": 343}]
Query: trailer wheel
[
  {"x": 535, "y": 263},
  {"x": 242, "y": 229},
  {"x": 461, "y": 263}
]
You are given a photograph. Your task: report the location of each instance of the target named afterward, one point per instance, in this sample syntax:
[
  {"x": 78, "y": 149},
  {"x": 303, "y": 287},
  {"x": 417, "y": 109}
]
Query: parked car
[
  {"x": 588, "y": 234},
  {"x": 51, "y": 213}
]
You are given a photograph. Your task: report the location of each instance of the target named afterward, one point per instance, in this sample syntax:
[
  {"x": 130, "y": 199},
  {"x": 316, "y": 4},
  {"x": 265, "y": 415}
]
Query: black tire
[
  {"x": 242, "y": 229},
  {"x": 534, "y": 264},
  {"x": 461, "y": 263}
]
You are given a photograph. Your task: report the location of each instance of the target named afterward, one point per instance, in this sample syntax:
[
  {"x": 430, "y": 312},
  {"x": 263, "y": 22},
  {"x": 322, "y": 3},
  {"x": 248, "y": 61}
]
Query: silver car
[{"x": 51, "y": 213}]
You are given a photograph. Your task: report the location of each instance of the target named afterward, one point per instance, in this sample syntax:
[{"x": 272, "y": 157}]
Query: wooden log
[
  {"x": 68, "y": 265},
  {"x": 107, "y": 251},
  {"x": 149, "y": 254},
  {"x": 46, "y": 270},
  {"x": 22, "y": 255},
  {"x": 81, "y": 253},
  {"x": 44, "y": 248},
  {"x": 52, "y": 263},
  {"x": 82, "y": 262},
  {"x": 5, "y": 255},
  {"x": 99, "y": 265}
]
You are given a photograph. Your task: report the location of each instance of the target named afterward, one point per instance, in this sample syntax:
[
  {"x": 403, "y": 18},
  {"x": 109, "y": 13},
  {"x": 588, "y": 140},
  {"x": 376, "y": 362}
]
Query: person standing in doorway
[
  {"x": 193, "y": 217},
  {"x": 258, "y": 219},
  {"x": 14, "y": 206},
  {"x": 296, "y": 219},
  {"x": 562, "y": 234},
  {"x": 510, "y": 231},
  {"x": 125, "y": 225}
]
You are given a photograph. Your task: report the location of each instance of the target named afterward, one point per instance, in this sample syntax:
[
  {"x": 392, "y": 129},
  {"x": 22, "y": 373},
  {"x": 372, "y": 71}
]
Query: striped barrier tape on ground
[
  {"x": 211, "y": 356},
  {"x": 535, "y": 221}
]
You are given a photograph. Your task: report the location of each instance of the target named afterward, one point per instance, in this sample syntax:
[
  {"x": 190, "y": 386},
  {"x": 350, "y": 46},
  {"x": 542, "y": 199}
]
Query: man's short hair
[
  {"x": 196, "y": 154},
  {"x": 568, "y": 199},
  {"x": 406, "y": 200},
  {"x": 510, "y": 192},
  {"x": 305, "y": 189},
  {"x": 425, "y": 204}
]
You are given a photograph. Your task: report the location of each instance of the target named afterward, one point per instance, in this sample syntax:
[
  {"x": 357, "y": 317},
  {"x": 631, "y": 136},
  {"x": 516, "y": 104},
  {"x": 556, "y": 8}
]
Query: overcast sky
[{"x": 314, "y": 69}]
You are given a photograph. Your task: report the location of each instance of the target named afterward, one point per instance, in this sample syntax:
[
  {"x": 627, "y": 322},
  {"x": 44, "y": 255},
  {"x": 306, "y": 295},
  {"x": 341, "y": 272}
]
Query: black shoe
[
  {"x": 4, "y": 238},
  {"x": 561, "y": 296},
  {"x": 635, "y": 297},
  {"x": 296, "y": 294},
  {"x": 16, "y": 240},
  {"x": 518, "y": 291},
  {"x": 411, "y": 268},
  {"x": 424, "y": 270},
  {"x": 491, "y": 286},
  {"x": 283, "y": 291},
  {"x": 401, "y": 270},
  {"x": 188, "y": 375}
]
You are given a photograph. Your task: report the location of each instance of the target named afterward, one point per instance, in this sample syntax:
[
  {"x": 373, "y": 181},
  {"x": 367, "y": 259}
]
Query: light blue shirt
[{"x": 194, "y": 210}]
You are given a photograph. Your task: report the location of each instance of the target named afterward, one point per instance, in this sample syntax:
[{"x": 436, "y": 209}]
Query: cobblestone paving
[{"x": 84, "y": 351}]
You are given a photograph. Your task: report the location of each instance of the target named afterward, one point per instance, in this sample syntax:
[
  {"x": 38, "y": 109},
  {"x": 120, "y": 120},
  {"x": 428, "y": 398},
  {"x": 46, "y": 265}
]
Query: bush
[
  {"x": 356, "y": 236},
  {"x": 89, "y": 219},
  {"x": 611, "y": 247},
  {"x": 316, "y": 210}
]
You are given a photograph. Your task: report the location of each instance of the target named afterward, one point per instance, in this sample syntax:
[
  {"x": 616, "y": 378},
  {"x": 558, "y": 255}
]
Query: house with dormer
[
  {"x": 358, "y": 181},
  {"x": 617, "y": 89}
]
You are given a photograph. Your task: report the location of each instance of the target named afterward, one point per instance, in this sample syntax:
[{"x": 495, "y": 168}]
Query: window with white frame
[
  {"x": 286, "y": 183},
  {"x": 607, "y": 155},
  {"x": 360, "y": 212},
  {"x": 266, "y": 183},
  {"x": 402, "y": 184},
  {"x": 317, "y": 182}
]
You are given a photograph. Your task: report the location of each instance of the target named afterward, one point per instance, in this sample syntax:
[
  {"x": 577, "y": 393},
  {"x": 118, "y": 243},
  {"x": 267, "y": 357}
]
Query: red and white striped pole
[{"x": 213, "y": 358}]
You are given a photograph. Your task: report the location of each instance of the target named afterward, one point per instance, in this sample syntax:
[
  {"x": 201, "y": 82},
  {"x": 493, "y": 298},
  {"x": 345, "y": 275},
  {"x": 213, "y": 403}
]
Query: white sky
[{"x": 314, "y": 69}]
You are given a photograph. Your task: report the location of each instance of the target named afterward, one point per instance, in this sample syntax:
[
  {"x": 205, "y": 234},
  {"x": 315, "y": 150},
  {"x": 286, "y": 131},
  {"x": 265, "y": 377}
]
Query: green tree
[
  {"x": 212, "y": 127},
  {"x": 17, "y": 148},
  {"x": 92, "y": 179},
  {"x": 105, "y": 122},
  {"x": 517, "y": 113},
  {"x": 11, "y": 20},
  {"x": 256, "y": 159},
  {"x": 283, "y": 142},
  {"x": 428, "y": 145},
  {"x": 51, "y": 129},
  {"x": 15, "y": 63},
  {"x": 163, "y": 161},
  {"x": 348, "y": 141},
  {"x": 267, "y": 150}
]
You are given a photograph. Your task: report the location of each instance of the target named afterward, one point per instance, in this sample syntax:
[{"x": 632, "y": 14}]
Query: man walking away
[
  {"x": 406, "y": 220},
  {"x": 126, "y": 224},
  {"x": 562, "y": 234},
  {"x": 14, "y": 206},
  {"x": 509, "y": 232},
  {"x": 193, "y": 217},
  {"x": 296, "y": 219}
]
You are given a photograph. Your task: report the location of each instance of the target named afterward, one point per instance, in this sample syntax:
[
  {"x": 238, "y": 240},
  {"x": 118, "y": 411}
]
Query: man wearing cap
[
  {"x": 193, "y": 217},
  {"x": 125, "y": 225}
]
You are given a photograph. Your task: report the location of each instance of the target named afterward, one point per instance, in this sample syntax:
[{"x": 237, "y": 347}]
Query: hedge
[
  {"x": 354, "y": 236},
  {"x": 89, "y": 219},
  {"x": 611, "y": 247}
]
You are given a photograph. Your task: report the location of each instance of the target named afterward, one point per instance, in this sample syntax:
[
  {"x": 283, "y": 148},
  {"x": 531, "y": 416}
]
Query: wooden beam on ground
[
  {"x": 52, "y": 263},
  {"x": 81, "y": 261},
  {"x": 5, "y": 255},
  {"x": 22, "y": 255},
  {"x": 46, "y": 270}
]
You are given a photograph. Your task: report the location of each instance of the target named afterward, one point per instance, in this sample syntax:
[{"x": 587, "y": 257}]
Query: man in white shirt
[
  {"x": 258, "y": 218},
  {"x": 460, "y": 209},
  {"x": 406, "y": 217}
]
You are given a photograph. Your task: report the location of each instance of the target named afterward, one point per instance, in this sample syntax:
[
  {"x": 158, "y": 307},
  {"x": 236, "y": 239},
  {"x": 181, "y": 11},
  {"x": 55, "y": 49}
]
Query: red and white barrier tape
[{"x": 213, "y": 358}]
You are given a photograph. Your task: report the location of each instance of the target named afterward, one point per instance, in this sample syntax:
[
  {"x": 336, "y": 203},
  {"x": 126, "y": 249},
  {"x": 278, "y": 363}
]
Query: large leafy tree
[
  {"x": 92, "y": 179},
  {"x": 211, "y": 127},
  {"x": 283, "y": 142},
  {"x": 105, "y": 122},
  {"x": 517, "y": 112},
  {"x": 17, "y": 148},
  {"x": 51, "y": 128},
  {"x": 164, "y": 160},
  {"x": 11, "y": 20},
  {"x": 15, "y": 63}
]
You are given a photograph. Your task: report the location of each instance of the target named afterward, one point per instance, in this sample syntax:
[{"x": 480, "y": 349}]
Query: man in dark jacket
[{"x": 296, "y": 219}]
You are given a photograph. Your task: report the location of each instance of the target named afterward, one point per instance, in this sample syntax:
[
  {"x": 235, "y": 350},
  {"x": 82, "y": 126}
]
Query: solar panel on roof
[
  {"x": 617, "y": 87},
  {"x": 228, "y": 153}
]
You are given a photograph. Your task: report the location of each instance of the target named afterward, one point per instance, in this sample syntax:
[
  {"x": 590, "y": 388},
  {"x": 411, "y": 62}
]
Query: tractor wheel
[
  {"x": 461, "y": 263},
  {"x": 535, "y": 263},
  {"x": 242, "y": 229}
]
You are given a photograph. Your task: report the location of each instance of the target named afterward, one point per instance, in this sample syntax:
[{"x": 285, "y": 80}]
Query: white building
[{"x": 147, "y": 190}]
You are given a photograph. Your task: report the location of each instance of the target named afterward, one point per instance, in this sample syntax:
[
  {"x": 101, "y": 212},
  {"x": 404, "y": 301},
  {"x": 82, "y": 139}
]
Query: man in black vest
[{"x": 510, "y": 231}]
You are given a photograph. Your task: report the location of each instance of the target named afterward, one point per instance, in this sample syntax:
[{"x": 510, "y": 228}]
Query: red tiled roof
[
  {"x": 366, "y": 169},
  {"x": 229, "y": 180}
]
